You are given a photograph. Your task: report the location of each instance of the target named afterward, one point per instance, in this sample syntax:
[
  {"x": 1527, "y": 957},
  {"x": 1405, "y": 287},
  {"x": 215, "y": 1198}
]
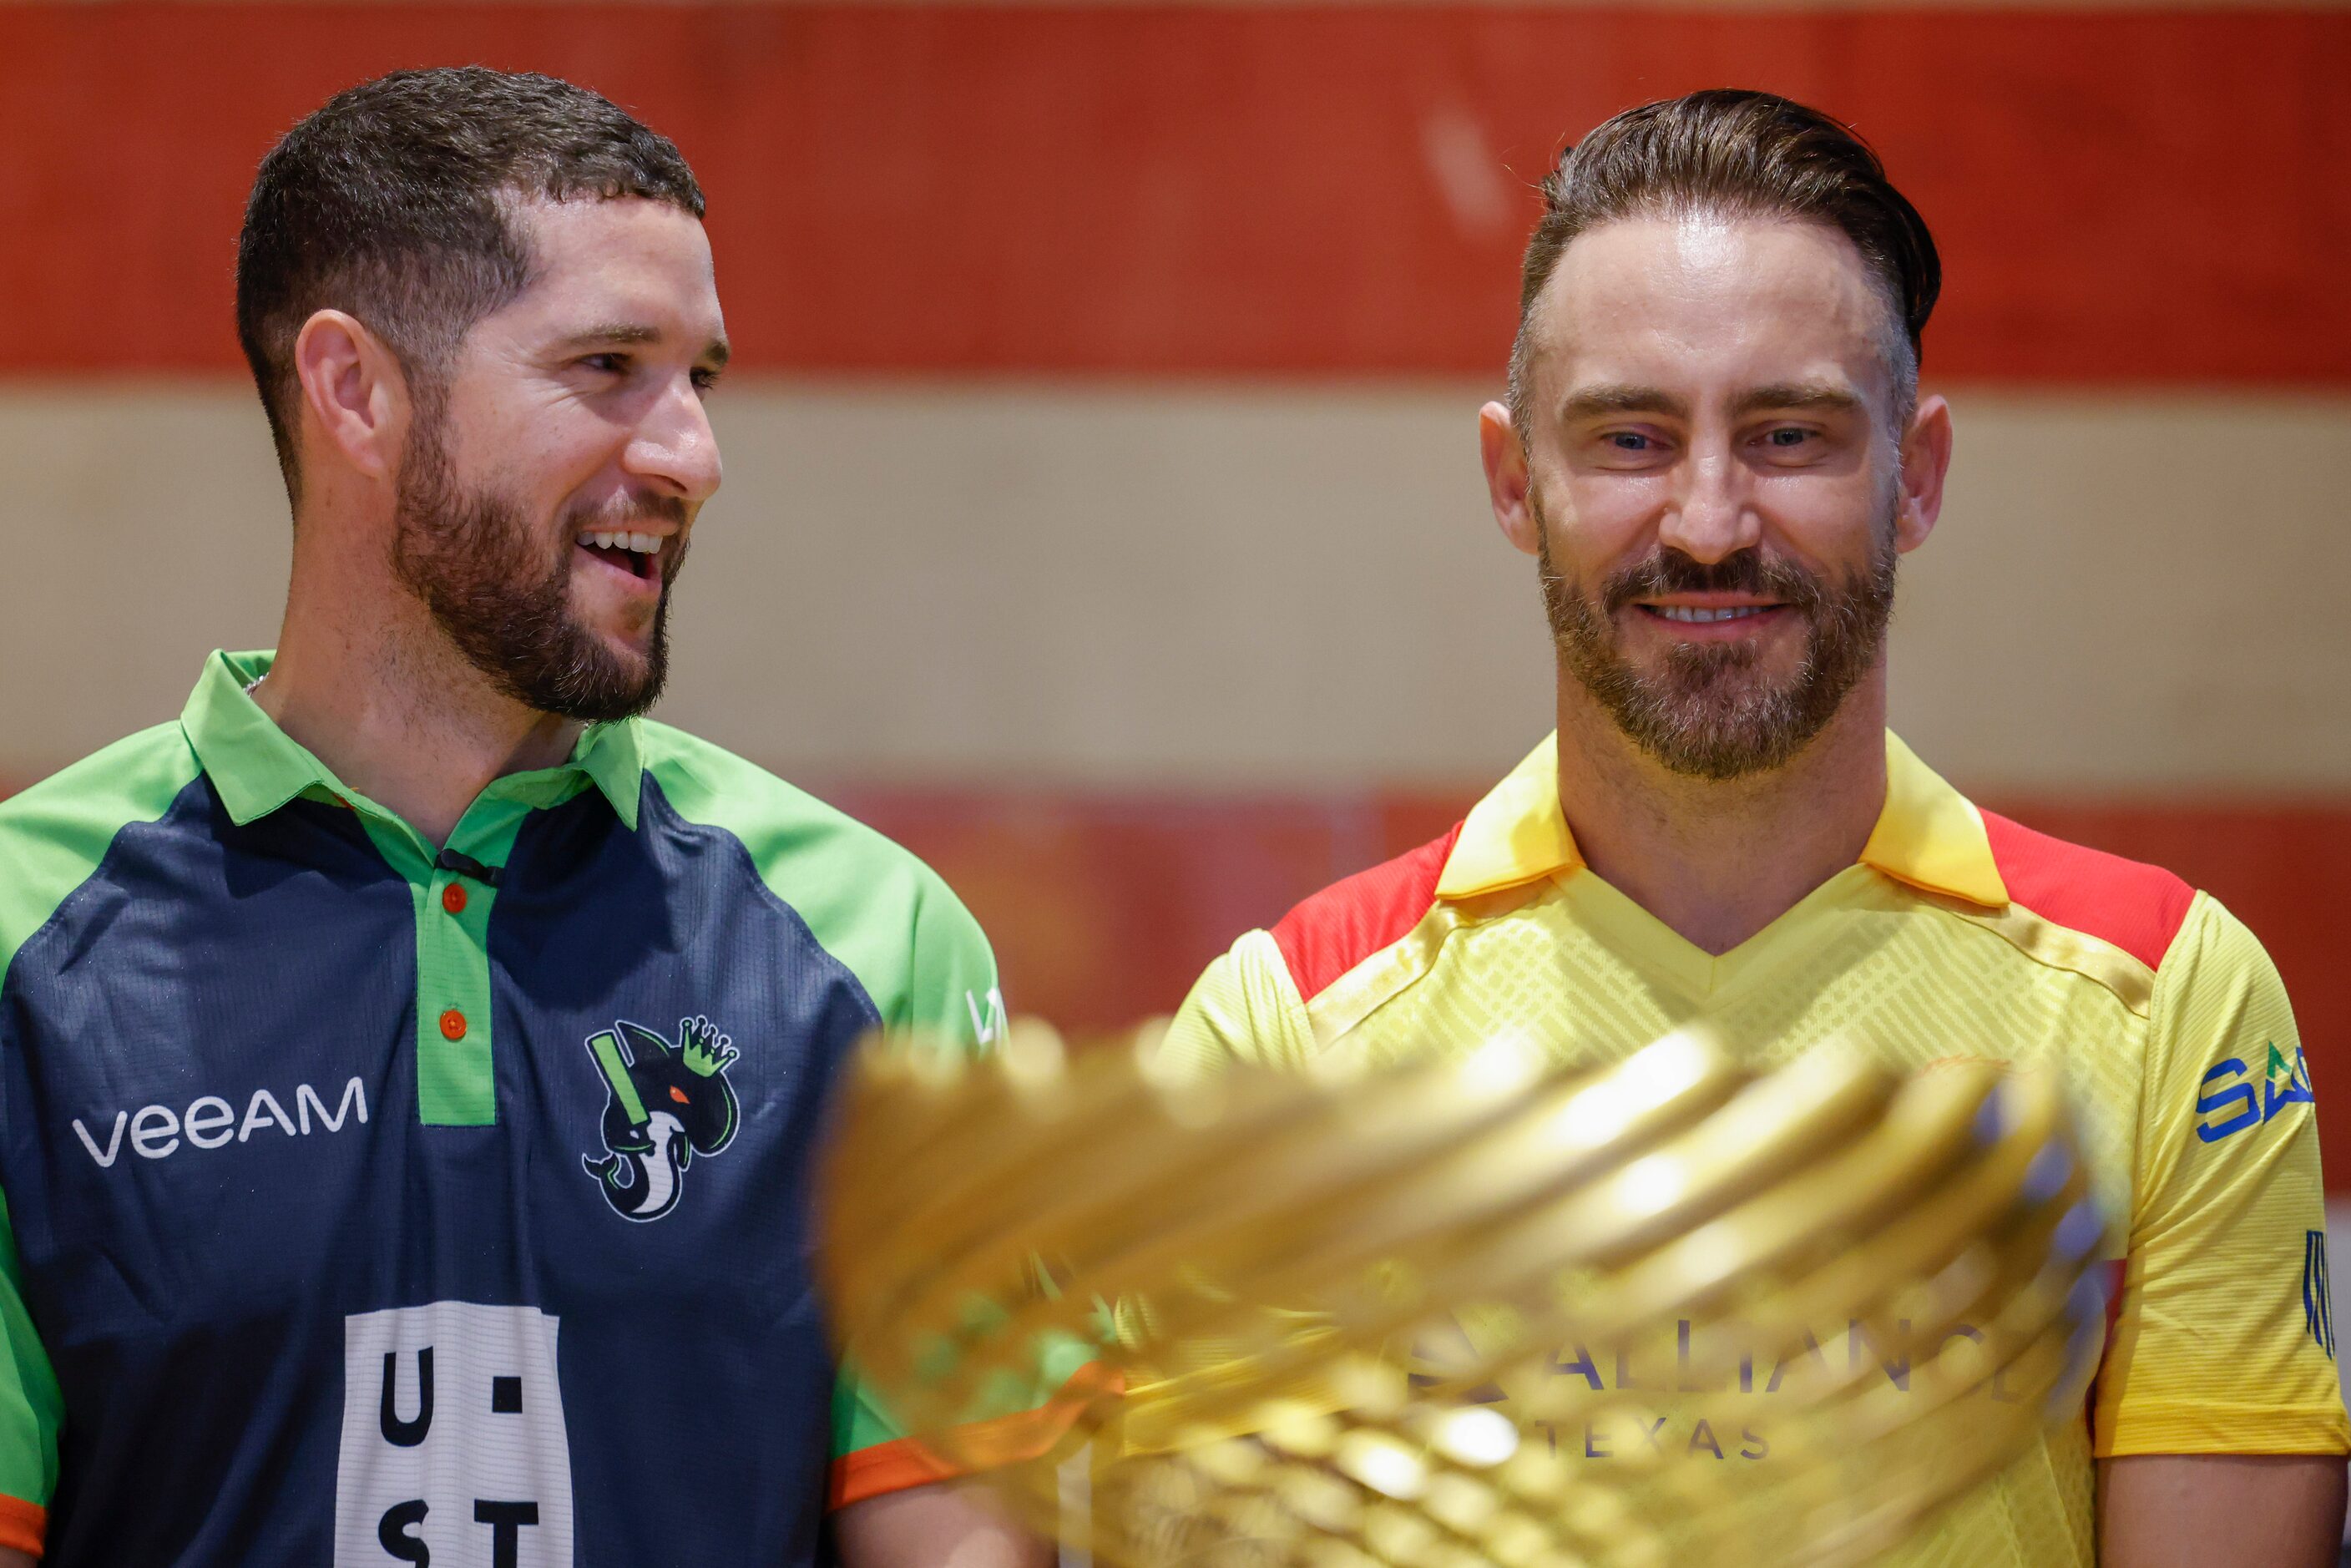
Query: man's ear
[
  {"x": 1926, "y": 460},
  {"x": 1507, "y": 477},
  {"x": 355, "y": 398}
]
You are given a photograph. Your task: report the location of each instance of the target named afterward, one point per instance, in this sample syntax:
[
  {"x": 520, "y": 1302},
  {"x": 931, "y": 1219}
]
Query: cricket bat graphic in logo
[{"x": 667, "y": 1103}]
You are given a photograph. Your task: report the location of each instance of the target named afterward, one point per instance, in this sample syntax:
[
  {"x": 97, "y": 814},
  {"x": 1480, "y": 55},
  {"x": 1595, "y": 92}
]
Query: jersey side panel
[{"x": 54, "y": 837}]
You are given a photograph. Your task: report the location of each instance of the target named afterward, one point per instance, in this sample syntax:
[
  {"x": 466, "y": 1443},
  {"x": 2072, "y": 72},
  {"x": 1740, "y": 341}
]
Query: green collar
[{"x": 257, "y": 766}]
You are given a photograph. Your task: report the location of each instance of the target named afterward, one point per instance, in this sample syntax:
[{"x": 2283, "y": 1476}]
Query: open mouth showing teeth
[
  {"x": 1694, "y": 615},
  {"x": 639, "y": 555}
]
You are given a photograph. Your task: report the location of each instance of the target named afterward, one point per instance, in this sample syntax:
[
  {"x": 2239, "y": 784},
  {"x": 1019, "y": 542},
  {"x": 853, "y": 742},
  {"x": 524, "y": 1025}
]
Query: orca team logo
[{"x": 668, "y": 1102}]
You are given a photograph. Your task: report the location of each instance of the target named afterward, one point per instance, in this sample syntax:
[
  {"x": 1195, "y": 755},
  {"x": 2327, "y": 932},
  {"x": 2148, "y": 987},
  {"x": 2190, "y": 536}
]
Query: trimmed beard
[
  {"x": 472, "y": 559},
  {"x": 1708, "y": 711}
]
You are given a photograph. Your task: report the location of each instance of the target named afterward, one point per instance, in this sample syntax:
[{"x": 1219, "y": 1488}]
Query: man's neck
[
  {"x": 400, "y": 716},
  {"x": 1718, "y": 861}
]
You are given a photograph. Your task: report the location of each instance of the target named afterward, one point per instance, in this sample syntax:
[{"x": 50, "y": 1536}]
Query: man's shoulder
[
  {"x": 2126, "y": 903},
  {"x": 138, "y": 776},
  {"x": 1331, "y": 932},
  {"x": 55, "y": 834},
  {"x": 818, "y": 859},
  {"x": 710, "y": 786}
]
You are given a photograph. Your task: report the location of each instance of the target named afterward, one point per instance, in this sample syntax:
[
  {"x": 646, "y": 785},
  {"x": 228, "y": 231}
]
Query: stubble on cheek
[
  {"x": 1715, "y": 710},
  {"x": 506, "y": 596}
]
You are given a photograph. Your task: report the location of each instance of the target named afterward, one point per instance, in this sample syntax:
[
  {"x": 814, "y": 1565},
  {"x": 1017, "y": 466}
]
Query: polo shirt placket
[{"x": 258, "y": 767}]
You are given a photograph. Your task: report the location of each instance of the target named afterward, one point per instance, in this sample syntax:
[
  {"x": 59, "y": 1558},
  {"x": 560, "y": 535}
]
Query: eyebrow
[
  {"x": 621, "y": 334},
  {"x": 1598, "y": 402},
  {"x": 1594, "y": 401},
  {"x": 1824, "y": 396}
]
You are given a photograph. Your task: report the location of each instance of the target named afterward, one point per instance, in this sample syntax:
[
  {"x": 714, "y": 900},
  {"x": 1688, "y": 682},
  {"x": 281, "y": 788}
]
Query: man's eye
[
  {"x": 1628, "y": 441},
  {"x": 1789, "y": 438},
  {"x": 705, "y": 380},
  {"x": 611, "y": 364}
]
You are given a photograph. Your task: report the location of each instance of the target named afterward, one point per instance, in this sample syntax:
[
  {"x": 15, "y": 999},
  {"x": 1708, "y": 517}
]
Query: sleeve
[
  {"x": 951, "y": 990},
  {"x": 1244, "y": 1007},
  {"x": 31, "y": 1411},
  {"x": 2223, "y": 1341},
  {"x": 953, "y": 995}
]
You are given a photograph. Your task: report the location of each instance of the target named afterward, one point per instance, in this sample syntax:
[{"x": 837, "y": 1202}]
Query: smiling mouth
[
  {"x": 637, "y": 554},
  {"x": 1696, "y": 615}
]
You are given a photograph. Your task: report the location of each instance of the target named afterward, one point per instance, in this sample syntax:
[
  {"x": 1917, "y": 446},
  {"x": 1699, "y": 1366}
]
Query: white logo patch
[
  {"x": 988, "y": 1024},
  {"x": 453, "y": 1451}
]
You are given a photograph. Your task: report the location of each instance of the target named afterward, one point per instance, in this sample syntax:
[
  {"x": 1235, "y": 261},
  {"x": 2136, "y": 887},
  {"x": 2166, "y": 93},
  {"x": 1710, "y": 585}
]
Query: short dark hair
[
  {"x": 391, "y": 202},
  {"x": 1741, "y": 154}
]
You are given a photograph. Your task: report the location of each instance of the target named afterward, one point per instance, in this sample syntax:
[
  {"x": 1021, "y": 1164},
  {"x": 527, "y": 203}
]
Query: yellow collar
[{"x": 1928, "y": 834}]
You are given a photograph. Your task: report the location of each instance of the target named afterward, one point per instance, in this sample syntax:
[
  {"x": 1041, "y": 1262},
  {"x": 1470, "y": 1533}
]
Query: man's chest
[
  {"x": 1692, "y": 1396},
  {"x": 208, "y": 1139},
  {"x": 248, "y": 1243},
  {"x": 1911, "y": 991}
]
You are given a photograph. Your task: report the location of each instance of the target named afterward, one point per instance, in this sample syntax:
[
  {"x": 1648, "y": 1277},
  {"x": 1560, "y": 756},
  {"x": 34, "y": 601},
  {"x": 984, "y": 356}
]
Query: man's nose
[
  {"x": 675, "y": 447},
  {"x": 1712, "y": 517}
]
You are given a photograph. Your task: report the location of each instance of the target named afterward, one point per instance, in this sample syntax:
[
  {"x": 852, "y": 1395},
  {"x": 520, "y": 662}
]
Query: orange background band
[
  {"x": 1104, "y": 908},
  {"x": 2122, "y": 197}
]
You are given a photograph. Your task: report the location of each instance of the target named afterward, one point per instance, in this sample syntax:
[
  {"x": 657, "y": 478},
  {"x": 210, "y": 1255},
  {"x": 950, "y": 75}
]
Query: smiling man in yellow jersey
[{"x": 1716, "y": 449}]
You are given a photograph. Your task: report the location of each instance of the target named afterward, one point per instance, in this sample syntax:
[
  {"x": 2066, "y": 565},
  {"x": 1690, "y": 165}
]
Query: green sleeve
[
  {"x": 32, "y": 1411},
  {"x": 861, "y": 1425},
  {"x": 882, "y": 914},
  {"x": 53, "y": 838}
]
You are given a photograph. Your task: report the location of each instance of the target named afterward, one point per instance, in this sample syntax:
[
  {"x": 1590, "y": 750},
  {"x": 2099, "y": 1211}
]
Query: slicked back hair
[
  {"x": 394, "y": 202},
  {"x": 1733, "y": 154}
]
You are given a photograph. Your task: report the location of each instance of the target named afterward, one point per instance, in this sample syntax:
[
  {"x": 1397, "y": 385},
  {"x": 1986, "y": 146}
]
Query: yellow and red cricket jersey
[{"x": 1957, "y": 934}]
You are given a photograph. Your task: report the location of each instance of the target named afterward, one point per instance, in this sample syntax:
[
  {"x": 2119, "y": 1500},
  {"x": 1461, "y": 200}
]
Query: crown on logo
[{"x": 702, "y": 1047}]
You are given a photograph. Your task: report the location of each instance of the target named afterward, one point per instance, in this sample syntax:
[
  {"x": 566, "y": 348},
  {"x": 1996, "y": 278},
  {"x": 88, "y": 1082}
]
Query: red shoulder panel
[
  {"x": 2138, "y": 908},
  {"x": 1349, "y": 921}
]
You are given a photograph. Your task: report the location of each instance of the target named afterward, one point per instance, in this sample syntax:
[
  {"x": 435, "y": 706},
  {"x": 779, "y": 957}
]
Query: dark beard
[
  {"x": 1709, "y": 712},
  {"x": 471, "y": 559}
]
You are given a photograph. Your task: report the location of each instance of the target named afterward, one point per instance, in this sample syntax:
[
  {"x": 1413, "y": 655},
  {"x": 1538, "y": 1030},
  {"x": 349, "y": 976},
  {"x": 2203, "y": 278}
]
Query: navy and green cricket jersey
[{"x": 371, "y": 1203}]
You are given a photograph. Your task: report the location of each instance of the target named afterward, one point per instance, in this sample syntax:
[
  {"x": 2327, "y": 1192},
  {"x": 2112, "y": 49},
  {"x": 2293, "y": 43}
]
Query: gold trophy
[{"x": 1667, "y": 1309}]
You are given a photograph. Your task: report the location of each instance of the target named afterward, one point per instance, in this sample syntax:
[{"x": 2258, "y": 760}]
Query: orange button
[
  {"x": 453, "y": 1025},
  {"x": 453, "y": 898}
]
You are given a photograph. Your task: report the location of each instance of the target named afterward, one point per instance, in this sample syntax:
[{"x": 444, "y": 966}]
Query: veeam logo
[{"x": 2228, "y": 1102}]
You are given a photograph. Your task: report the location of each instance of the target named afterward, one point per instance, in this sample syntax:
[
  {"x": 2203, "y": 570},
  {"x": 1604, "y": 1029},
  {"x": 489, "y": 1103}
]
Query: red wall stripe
[
  {"x": 1104, "y": 906},
  {"x": 2124, "y": 197}
]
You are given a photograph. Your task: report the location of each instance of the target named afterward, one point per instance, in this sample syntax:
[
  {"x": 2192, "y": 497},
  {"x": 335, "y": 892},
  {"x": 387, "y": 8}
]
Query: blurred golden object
[{"x": 1404, "y": 1317}]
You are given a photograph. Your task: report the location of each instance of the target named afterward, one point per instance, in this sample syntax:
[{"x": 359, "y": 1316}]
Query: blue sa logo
[{"x": 2228, "y": 1103}]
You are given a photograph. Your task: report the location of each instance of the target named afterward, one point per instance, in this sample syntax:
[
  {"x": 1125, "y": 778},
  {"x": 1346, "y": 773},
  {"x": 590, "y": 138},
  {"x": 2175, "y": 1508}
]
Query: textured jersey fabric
[
  {"x": 370, "y": 1202},
  {"x": 1957, "y": 936}
]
